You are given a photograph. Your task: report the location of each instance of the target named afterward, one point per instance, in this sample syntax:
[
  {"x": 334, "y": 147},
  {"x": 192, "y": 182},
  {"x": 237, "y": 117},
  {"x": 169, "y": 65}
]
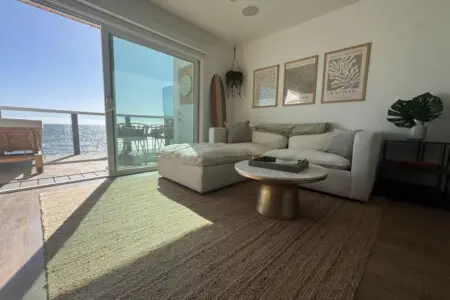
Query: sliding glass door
[{"x": 150, "y": 100}]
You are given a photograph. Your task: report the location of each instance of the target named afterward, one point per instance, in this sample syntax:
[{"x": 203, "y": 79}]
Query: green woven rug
[{"x": 143, "y": 237}]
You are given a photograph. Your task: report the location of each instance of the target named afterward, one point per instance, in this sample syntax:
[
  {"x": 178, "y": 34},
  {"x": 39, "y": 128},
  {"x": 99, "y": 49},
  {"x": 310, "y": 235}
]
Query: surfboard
[{"x": 218, "y": 103}]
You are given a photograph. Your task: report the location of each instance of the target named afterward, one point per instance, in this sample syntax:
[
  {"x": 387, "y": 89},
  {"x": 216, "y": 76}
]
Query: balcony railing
[{"x": 74, "y": 119}]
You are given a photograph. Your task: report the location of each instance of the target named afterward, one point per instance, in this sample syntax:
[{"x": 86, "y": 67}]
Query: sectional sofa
[{"x": 351, "y": 157}]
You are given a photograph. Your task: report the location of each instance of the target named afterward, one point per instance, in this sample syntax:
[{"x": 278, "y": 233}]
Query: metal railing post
[
  {"x": 128, "y": 124},
  {"x": 75, "y": 134}
]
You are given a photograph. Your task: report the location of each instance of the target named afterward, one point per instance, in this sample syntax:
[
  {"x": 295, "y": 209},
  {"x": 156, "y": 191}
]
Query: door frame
[{"x": 107, "y": 33}]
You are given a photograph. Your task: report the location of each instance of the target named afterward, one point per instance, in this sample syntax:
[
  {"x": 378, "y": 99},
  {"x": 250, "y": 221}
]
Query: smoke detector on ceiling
[{"x": 250, "y": 11}]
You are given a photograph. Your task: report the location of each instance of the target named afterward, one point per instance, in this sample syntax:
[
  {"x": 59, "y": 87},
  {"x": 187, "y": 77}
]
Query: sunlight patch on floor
[{"x": 88, "y": 235}]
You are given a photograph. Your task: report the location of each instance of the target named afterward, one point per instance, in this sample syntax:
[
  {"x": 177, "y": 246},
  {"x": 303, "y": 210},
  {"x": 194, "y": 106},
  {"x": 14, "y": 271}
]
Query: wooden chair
[
  {"x": 21, "y": 140},
  {"x": 133, "y": 134},
  {"x": 157, "y": 135}
]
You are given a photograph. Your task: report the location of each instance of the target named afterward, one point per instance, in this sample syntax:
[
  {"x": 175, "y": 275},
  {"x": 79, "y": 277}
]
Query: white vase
[{"x": 419, "y": 131}]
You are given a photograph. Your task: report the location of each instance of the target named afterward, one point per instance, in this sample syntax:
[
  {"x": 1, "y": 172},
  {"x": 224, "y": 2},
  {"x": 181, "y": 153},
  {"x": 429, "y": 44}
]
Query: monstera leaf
[
  {"x": 426, "y": 107},
  {"x": 401, "y": 114}
]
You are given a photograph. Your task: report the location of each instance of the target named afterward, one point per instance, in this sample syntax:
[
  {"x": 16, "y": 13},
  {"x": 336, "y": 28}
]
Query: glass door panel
[{"x": 151, "y": 105}]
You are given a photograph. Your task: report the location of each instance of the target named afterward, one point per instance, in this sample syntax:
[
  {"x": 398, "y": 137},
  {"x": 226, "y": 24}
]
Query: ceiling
[{"x": 224, "y": 19}]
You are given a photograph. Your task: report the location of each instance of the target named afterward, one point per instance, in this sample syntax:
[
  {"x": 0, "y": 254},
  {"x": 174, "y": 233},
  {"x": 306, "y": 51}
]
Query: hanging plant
[{"x": 234, "y": 79}]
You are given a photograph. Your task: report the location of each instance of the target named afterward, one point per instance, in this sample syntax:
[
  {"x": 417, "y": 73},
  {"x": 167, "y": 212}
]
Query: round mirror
[{"x": 185, "y": 85}]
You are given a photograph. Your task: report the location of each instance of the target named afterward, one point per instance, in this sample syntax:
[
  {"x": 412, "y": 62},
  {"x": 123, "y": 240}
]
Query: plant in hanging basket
[
  {"x": 234, "y": 80},
  {"x": 423, "y": 108}
]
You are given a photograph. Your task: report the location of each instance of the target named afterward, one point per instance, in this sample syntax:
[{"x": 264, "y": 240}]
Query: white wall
[{"x": 410, "y": 55}]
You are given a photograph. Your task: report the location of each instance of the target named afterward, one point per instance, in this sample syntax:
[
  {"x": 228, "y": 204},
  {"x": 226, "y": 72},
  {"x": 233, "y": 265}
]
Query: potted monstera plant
[{"x": 415, "y": 113}]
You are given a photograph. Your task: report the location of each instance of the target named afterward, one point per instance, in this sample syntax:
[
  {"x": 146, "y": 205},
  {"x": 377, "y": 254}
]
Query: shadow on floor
[
  {"x": 136, "y": 160},
  {"x": 160, "y": 273},
  {"x": 61, "y": 161},
  {"x": 12, "y": 171},
  {"x": 31, "y": 270},
  {"x": 240, "y": 254},
  {"x": 190, "y": 199}
]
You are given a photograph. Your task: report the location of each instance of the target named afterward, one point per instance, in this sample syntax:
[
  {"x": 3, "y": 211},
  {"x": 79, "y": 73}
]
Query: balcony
[{"x": 77, "y": 152}]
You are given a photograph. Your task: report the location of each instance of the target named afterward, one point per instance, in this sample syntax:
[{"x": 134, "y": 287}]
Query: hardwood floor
[
  {"x": 21, "y": 255},
  {"x": 22, "y": 274},
  {"x": 410, "y": 259},
  {"x": 57, "y": 169}
]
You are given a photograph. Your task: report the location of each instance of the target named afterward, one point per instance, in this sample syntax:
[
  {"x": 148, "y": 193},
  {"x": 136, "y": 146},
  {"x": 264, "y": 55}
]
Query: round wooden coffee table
[{"x": 278, "y": 195}]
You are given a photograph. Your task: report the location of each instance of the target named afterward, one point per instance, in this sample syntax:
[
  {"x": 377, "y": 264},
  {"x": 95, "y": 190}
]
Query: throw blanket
[{"x": 205, "y": 154}]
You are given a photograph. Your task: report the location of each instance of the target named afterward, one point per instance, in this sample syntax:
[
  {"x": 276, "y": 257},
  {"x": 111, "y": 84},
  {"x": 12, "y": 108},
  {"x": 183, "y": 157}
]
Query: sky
[{"x": 49, "y": 61}]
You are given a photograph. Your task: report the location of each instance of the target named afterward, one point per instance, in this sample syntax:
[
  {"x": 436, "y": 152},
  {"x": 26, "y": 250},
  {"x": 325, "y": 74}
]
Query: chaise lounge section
[{"x": 205, "y": 167}]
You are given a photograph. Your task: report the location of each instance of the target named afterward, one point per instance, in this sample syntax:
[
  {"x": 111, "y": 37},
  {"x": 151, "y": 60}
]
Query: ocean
[{"x": 57, "y": 139}]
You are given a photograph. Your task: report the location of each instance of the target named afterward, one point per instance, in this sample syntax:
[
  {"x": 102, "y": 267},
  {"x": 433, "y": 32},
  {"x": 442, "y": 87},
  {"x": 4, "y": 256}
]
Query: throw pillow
[
  {"x": 239, "y": 132},
  {"x": 278, "y": 128},
  {"x": 317, "y": 142},
  {"x": 291, "y": 129},
  {"x": 310, "y": 128},
  {"x": 341, "y": 143},
  {"x": 269, "y": 139}
]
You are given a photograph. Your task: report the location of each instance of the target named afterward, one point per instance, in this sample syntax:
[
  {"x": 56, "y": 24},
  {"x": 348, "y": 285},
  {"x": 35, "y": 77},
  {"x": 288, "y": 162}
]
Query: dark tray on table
[{"x": 269, "y": 162}]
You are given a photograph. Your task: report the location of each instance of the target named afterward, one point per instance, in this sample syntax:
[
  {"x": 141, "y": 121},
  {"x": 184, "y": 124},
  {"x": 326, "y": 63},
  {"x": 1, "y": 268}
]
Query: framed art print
[
  {"x": 265, "y": 87},
  {"x": 345, "y": 74},
  {"x": 300, "y": 78}
]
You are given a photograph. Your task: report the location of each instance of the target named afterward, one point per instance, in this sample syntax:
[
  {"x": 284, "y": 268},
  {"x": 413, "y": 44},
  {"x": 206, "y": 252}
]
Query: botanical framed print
[
  {"x": 265, "y": 86},
  {"x": 300, "y": 78},
  {"x": 345, "y": 74}
]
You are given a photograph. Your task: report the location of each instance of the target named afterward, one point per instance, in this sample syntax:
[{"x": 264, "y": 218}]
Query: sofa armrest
[
  {"x": 218, "y": 135},
  {"x": 366, "y": 154}
]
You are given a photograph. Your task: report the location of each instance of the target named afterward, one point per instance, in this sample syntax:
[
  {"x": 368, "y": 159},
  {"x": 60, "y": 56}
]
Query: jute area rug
[{"x": 144, "y": 237}]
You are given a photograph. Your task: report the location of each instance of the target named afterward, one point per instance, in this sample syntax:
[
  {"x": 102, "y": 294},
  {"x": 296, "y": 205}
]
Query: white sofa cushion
[
  {"x": 327, "y": 160},
  {"x": 341, "y": 142},
  {"x": 310, "y": 142},
  {"x": 205, "y": 154},
  {"x": 338, "y": 142},
  {"x": 239, "y": 132},
  {"x": 269, "y": 139}
]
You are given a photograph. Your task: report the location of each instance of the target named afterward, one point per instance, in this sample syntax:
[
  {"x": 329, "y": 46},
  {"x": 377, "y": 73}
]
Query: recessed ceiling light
[{"x": 250, "y": 11}]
